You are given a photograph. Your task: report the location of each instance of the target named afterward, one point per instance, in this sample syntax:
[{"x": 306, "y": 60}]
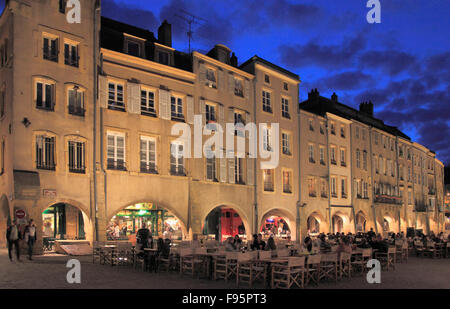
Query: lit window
[
  {"x": 116, "y": 151},
  {"x": 148, "y": 155}
]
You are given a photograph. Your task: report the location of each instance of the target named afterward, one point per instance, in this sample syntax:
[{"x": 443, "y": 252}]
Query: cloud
[
  {"x": 391, "y": 61},
  {"x": 326, "y": 56},
  {"x": 128, "y": 14},
  {"x": 348, "y": 80}
]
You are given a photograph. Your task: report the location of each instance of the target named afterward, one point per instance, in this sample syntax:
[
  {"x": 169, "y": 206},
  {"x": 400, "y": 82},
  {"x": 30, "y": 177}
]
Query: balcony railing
[
  {"x": 45, "y": 166},
  {"x": 116, "y": 105},
  {"x": 116, "y": 165},
  {"x": 76, "y": 110}
]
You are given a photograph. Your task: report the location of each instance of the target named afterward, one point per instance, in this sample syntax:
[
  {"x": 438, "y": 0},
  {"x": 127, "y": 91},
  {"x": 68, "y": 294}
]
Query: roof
[
  {"x": 320, "y": 105},
  {"x": 256, "y": 59}
]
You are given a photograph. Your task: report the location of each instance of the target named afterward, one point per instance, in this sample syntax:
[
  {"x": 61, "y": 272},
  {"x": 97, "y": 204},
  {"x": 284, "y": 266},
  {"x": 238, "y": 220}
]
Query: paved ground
[{"x": 50, "y": 271}]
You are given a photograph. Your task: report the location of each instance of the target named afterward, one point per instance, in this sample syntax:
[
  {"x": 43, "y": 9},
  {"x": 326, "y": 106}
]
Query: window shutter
[
  {"x": 231, "y": 83},
  {"x": 35, "y": 43},
  {"x": 202, "y": 108},
  {"x": 223, "y": 169},
  {"x": 164, "y": 104},
  {"x": 103, "y": 91},
  {"x": 133, "y": 95},
  {"x": 221, "y": 79},
  {"x": 247, "y": 89},
  {"x": 190, "y": 109},
  {"x": 202, "y": 73},
  {"x": 221, "y": 116},
  {"x": 231, "y": 176},
  {"x": 250, "y": 171},
  {"x": 230, "y": 115}
]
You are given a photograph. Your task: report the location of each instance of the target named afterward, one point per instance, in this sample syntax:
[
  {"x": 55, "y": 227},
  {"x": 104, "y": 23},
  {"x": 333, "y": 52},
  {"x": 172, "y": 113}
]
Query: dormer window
[
  {"x": 266, "y": 79},
  {"x": 134, "y": 46},
  {"x": 286, "y": 86},
  {"x": 163, "y": 57},
  {"x": 163, "y": 54},
  {"x": 211, "y": 78}
]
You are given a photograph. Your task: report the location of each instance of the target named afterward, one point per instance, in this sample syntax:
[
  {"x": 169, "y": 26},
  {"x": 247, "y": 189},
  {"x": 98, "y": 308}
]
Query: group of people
[
  {"x": 14, "y": 235},
  {"x": 144, "y": 239}
]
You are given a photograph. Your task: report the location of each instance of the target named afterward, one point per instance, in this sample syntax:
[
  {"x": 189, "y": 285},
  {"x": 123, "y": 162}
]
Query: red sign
[{"x": 20, "y": 214}]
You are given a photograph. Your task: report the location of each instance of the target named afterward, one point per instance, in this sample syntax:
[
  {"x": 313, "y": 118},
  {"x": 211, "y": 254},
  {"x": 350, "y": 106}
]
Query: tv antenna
[{"x": 190, "y": 19}]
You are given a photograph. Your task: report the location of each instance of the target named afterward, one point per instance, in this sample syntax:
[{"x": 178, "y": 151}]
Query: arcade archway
[
  {"x": 66, "y": 222},
  {"x": 5, "y": 218},
  {"x": 223, "y": 222},
  {"x": 313, "y": 224},
  {"x": 360, "y": 222},
  {"x": 125, "y": 223},
  {"x": 277, "y": 222},
  {"x": 338, "y": 224}
]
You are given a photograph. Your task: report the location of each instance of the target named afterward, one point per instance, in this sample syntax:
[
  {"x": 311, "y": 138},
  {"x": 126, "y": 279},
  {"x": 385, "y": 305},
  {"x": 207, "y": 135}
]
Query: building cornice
[{"x": 223, "y": 65}]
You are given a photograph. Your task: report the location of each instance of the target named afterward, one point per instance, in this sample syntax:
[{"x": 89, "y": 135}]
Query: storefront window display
[{"x": 277, "y": 226}]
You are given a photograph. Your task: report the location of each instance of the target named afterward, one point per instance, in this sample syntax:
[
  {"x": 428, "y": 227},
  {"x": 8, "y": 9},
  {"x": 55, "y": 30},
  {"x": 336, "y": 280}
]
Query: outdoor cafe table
[
  {"x": 150, "y": 259},
  {"x": 105, "y": 250}
]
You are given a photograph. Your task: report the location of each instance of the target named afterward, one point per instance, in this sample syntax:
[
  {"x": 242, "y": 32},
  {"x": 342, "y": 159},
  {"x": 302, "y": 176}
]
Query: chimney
[
  {"x": 165, "y": 34},
  {"x": 367, "y": 108},
  {"x": 313, "y": 94},
  {"x": 334, "y": 97},
  {"x": 234, "y": 60}
]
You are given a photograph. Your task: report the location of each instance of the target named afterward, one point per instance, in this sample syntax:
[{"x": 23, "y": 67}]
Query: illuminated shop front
[
  {"x": 125, "y": 224},
  {"x": 222, "y": 223},
  {"x": 276, "y": 225},
  {"x": 63, "y": 221}
]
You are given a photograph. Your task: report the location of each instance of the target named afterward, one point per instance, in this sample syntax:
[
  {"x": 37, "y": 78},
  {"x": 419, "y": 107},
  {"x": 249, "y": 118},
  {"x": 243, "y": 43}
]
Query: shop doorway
[
  {"x": 275, "y": 225},
  {"x": 360, "y": 223},
  {"x": 223, "y": 222},
  {"x": 338, "y": 224},
  {"x": 63, "y": 221},
  {"x": 125, "y": 224},
  {"x": 313, "y": 225}
]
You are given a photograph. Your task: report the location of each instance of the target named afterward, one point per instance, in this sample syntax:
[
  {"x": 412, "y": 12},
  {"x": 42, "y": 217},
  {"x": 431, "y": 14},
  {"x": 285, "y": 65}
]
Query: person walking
[
  {"x": 12, "y": 237},
  {"x": 30, "y": 237}
]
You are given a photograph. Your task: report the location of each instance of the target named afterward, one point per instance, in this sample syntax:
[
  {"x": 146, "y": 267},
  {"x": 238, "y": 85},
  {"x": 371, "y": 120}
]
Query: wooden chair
[
  {"x": 405, "y": 252},
  {"x": 345, "y": 265},
  {"x": 139, "y": 258},
  {"x": 123, "y": 255},
  {"x": 329, "y": 266},
  {"x": 200, "y": 260},
  {"x": 282, "y": 252},
  {"x": 360, "y": 262},
  {"x": 187, "y": 260},
  {"x": 284, "y": 275},
  {"x": 244, "y": 272},
  {"x": 387, "y": 259},
  {"x": 231, "y": 265},
  {"x": 447, "y": 250},
  {"x": 399, "y": 251},
  {"x": 259, "y": 267},
  {"x": 96, "y": 251},
  {"x": 220, "y": 266},
  {"x": 313, "y": 269},
  {"x": 418, "y": 246}
]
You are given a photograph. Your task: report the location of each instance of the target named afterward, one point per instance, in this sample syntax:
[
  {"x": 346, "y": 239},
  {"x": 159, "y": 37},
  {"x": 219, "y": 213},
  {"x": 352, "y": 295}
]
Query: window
[
  {"x": 148, "y": 103},
  {"x": 210, "y": 114},
  {"x": 238, "y": 178},
  {"x": 115, "y": 97},
  {"x": 322, "y": 131},
  {"x": 333, "y": 155},
  {"x": 311, "y": 126},
  {"x": 376, "y": 138},
  {"x": 375, "y": 162},
  {"x": 267, "y": 139},
  {"x": 211, "y": 169},
  {"x": 163, "y": 57},
  {"x": 45, "y": 152},
  {"x": 76, "y": 102},
  {"x": 357, "y": 132},
  {"x": 365, "y": 190},
  {"x": 2, "y": 103},
  {"x": 342, "y": 131},
  {"x": 365, "y": 160},
  {"x": 343, "y": 188},
  {"x": 311, "y": 187},
  {"x": 239, "y": 118},
  {"x": 287, "y": 182},
  {"x": 333, "y": 187},
  {"x": 343, "y": 157},
  {"x": 116, "y": 151},
  {"x": 311, "y": 153},
  {"x": 176, "y": 105},
  {"x": 409, "y": 198},
  {"x": 148, "y": 155},
  {"x": 62, "y": 6},
  {"x": 266, "y": 79},
  {"x": 176, "y": 159},
  {"x": 286, "y": 143},
  {"x": 285, "y": 108},
  {"x": 267, "y": 107},
  {"x": 77, "y": 157},
  {"x": 268, "y": 180},
  {"x": 45, "y": 94},
  {"x": 51, "y": 49},
  {"x": 211, "y": 78},
  {"x": 333, "y": 128},
  {"x": 322, "y": 155},
  {"x": 238, "y": 87},
  {"x": 71, "y": 54},
  {"x": 323, "y": 188},
  {"x": 358, "y": 158},
  {"x": 134, "y": 47},
  {"x": 363, "y": 134},
  {"x": 358, "y": 186},
  {"x": 285, "y": 86}
]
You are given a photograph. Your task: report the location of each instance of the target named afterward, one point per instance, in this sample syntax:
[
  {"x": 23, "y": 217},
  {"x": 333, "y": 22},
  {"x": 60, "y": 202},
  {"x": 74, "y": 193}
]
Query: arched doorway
[
  {"x": 125, "y": 224},
  {"x": 387, "y": 224},
  {"x": 65, "y": 221},
  {"x": 5, "y": 219},
  {"x": 313, "y": 224},
  {"x": 338, "y": 224},
  {"x": 360, "y": 222},
  {"x": 223, "y": 222},
  {"x": 279, "y": 223}
]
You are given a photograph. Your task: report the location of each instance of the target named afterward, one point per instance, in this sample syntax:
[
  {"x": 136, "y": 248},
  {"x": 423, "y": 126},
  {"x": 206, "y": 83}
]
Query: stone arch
[
  {"x": 5, "y": 217},
  {"x": 285, "y": 214},
  {"x": 185, "y": 232},
  {"x": 340, "y": 222},
  {"x": 240, "y": 212},
  {"x": 321, "y": 220},
  {"x": 361, "y": 221}
]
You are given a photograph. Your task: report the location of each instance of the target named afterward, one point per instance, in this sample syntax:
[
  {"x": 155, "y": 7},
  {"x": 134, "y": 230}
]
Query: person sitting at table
[
  {"x": 259, "y": 243},
  {"x": 324, "y": 245},
  {"x": 271, "y": 243},
  {"x": 237, "y": 242},
  {"x": 344, "y": 246},
  {"x": 229, "y": 244},
  {"x": 307, "y": 244}
]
